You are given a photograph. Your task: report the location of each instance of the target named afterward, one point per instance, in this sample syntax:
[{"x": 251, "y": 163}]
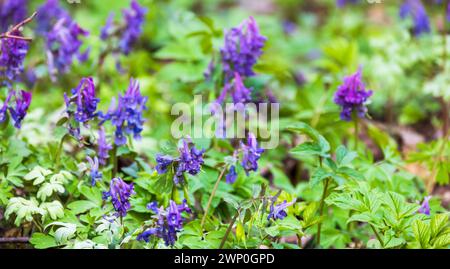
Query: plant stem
[
  {"x": 114, "y": 160},
  {"x": 212, "y": 196},
  {"x": 230, "y": 226},
  {"x": 355, "y": 121},
  {"x": 322, "y": 204},
  {"x": 377, "y": 235},
  {"x": 5, "y": 240}
]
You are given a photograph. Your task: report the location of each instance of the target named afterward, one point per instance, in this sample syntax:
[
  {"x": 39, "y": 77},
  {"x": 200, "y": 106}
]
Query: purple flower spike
[
  {"x": 95, "y": 174},
  {"x": 13, "y": 52},
  {"x": 120, "y": 193},
  {"x": 103, "y": 146},
  {"x": 343, "y": 3},
  {"x": 232, "y": 175},
  {"x": 279, "y": 211},
  {"x": 84, "y": 100},
  {"x": 4, "y": 108},
  {"x": 134, "y": 21},
  {"x": 127, "y": 115},
  {"x": 18, "y": 113},
  {"x": 168, "y": 222},
  {"x": 251, "y": 154},
  {"x": 11, "y": 13},
  {"x": 448, "y": 12},
  {"x": 48, "y": 14},
  {"x": 418, "y": 13},
  {"x": 425, "y": 207},
  {"x": 240, "y": 94},
  {"x": 63, "y": 46},
  {"x": 190, "y": 161},
  {"x": 352, "y": 96},
  {"x": 163, "y": 162},
  {"x": 242, "y": 49}
]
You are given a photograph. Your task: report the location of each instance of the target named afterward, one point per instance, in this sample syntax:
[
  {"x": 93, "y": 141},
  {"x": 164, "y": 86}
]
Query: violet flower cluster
[
  {"x": 18, "y": 112},
  {"x": 96, "y": 175},
  {"x": 239, "y": 93},
  {"x": 168, "y": 222},
  {"x": 189, "y": 161},
  {"x": 343, "y": 3},
  {"x": 48, "y": 15},
  {"x": 82, "y": 106},
  {"x": 425, "y": 206},
  {"x": 11, "y": 13},
  {"x": 120, "y": 193},
  {"x": 127, "y": 115},
  {"x": 352, "y": 96},
  {"x": 251, "y": 153},
  {"x": 64, "y": 45},
  {"x": 128, "y": 32},
  {"x": 278, "y": 211},
  {"x": 242, "y": 49},
  {"x": 103, "y": 147},
  {"x": 13, "y": 52},
  {"x": 418, "y": 13}
]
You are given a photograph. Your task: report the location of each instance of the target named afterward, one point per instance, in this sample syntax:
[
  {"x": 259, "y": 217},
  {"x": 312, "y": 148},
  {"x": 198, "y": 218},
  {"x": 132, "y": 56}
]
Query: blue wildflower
[
  {"x": 168, "y": 222},
  {"x": 11, "y": 13},
  {"x": 352, "y": 96},
  {"x": 18, "y": 113},
  {"x": 232, "y": 175},
  {"x": 84, "y": 101},
  {"x": 48, "y": 14},
  {"x": 163, "y": 162},
  {"x": 63, "y": 46},
  {"x": 13, "y": 52},
  {"x": 190, "y": 161},
  {"x": 342, "y": 3},
  {"x": 95, "y": 174},
  {"x": 131, "y": 29},
  {"x": 120, "y": 193},
  {"x": 4, "y": 108},
  {"x": 103, "y": 146},
  {"x": 279, "y": 211},
  {"x": 250, "y": 154},
  {"x": 425, "y": 206},
  {"x": 416, "y": 10},
  {"x": 127, "y": 115},
  {"x": 242, "y": 49}
]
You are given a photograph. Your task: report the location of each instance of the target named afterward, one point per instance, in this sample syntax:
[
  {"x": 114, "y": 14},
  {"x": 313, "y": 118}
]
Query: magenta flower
[
  {"x": 425, "y": 207},
  {"x": 352, "y": 96},
  {"x": 120, "y": 193},
  {"x": 242, "y": 49},
  {"x": 22, "y": 102}
]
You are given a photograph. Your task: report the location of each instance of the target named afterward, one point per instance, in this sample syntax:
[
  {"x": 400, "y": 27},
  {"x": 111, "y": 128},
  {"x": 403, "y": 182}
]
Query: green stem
[
  {"x": 322, "y": 205},
  {"x": 355, "y": 121},
  {"x": 230, "y": 226},
  {"x": 377, "y": 235},
  {"x": 211, "y": 197},
  {"x": 114, "y": 161},
  {"x": 58, "y": 152}
]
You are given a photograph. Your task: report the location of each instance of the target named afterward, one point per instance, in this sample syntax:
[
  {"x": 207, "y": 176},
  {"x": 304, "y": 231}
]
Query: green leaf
[
  {"x": 318, "y": 176},
  {"x": 53, "y": 209},
  {"x": 24, "y": 209},
  {"x": 37, "y": 174},
  {"x": 47, "y": 189},
  {"x": 64, "y": 233},
  {"x": 438, "y": 224},
  {"x": 304, "y": 128},
  {"x": 92, "y": 194},
  {"x": 421, "y": 233},
  {"x": 442, "y": 176},
  {"x": 81, "y": 206},
  {"x": 42, "y": 241}
]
